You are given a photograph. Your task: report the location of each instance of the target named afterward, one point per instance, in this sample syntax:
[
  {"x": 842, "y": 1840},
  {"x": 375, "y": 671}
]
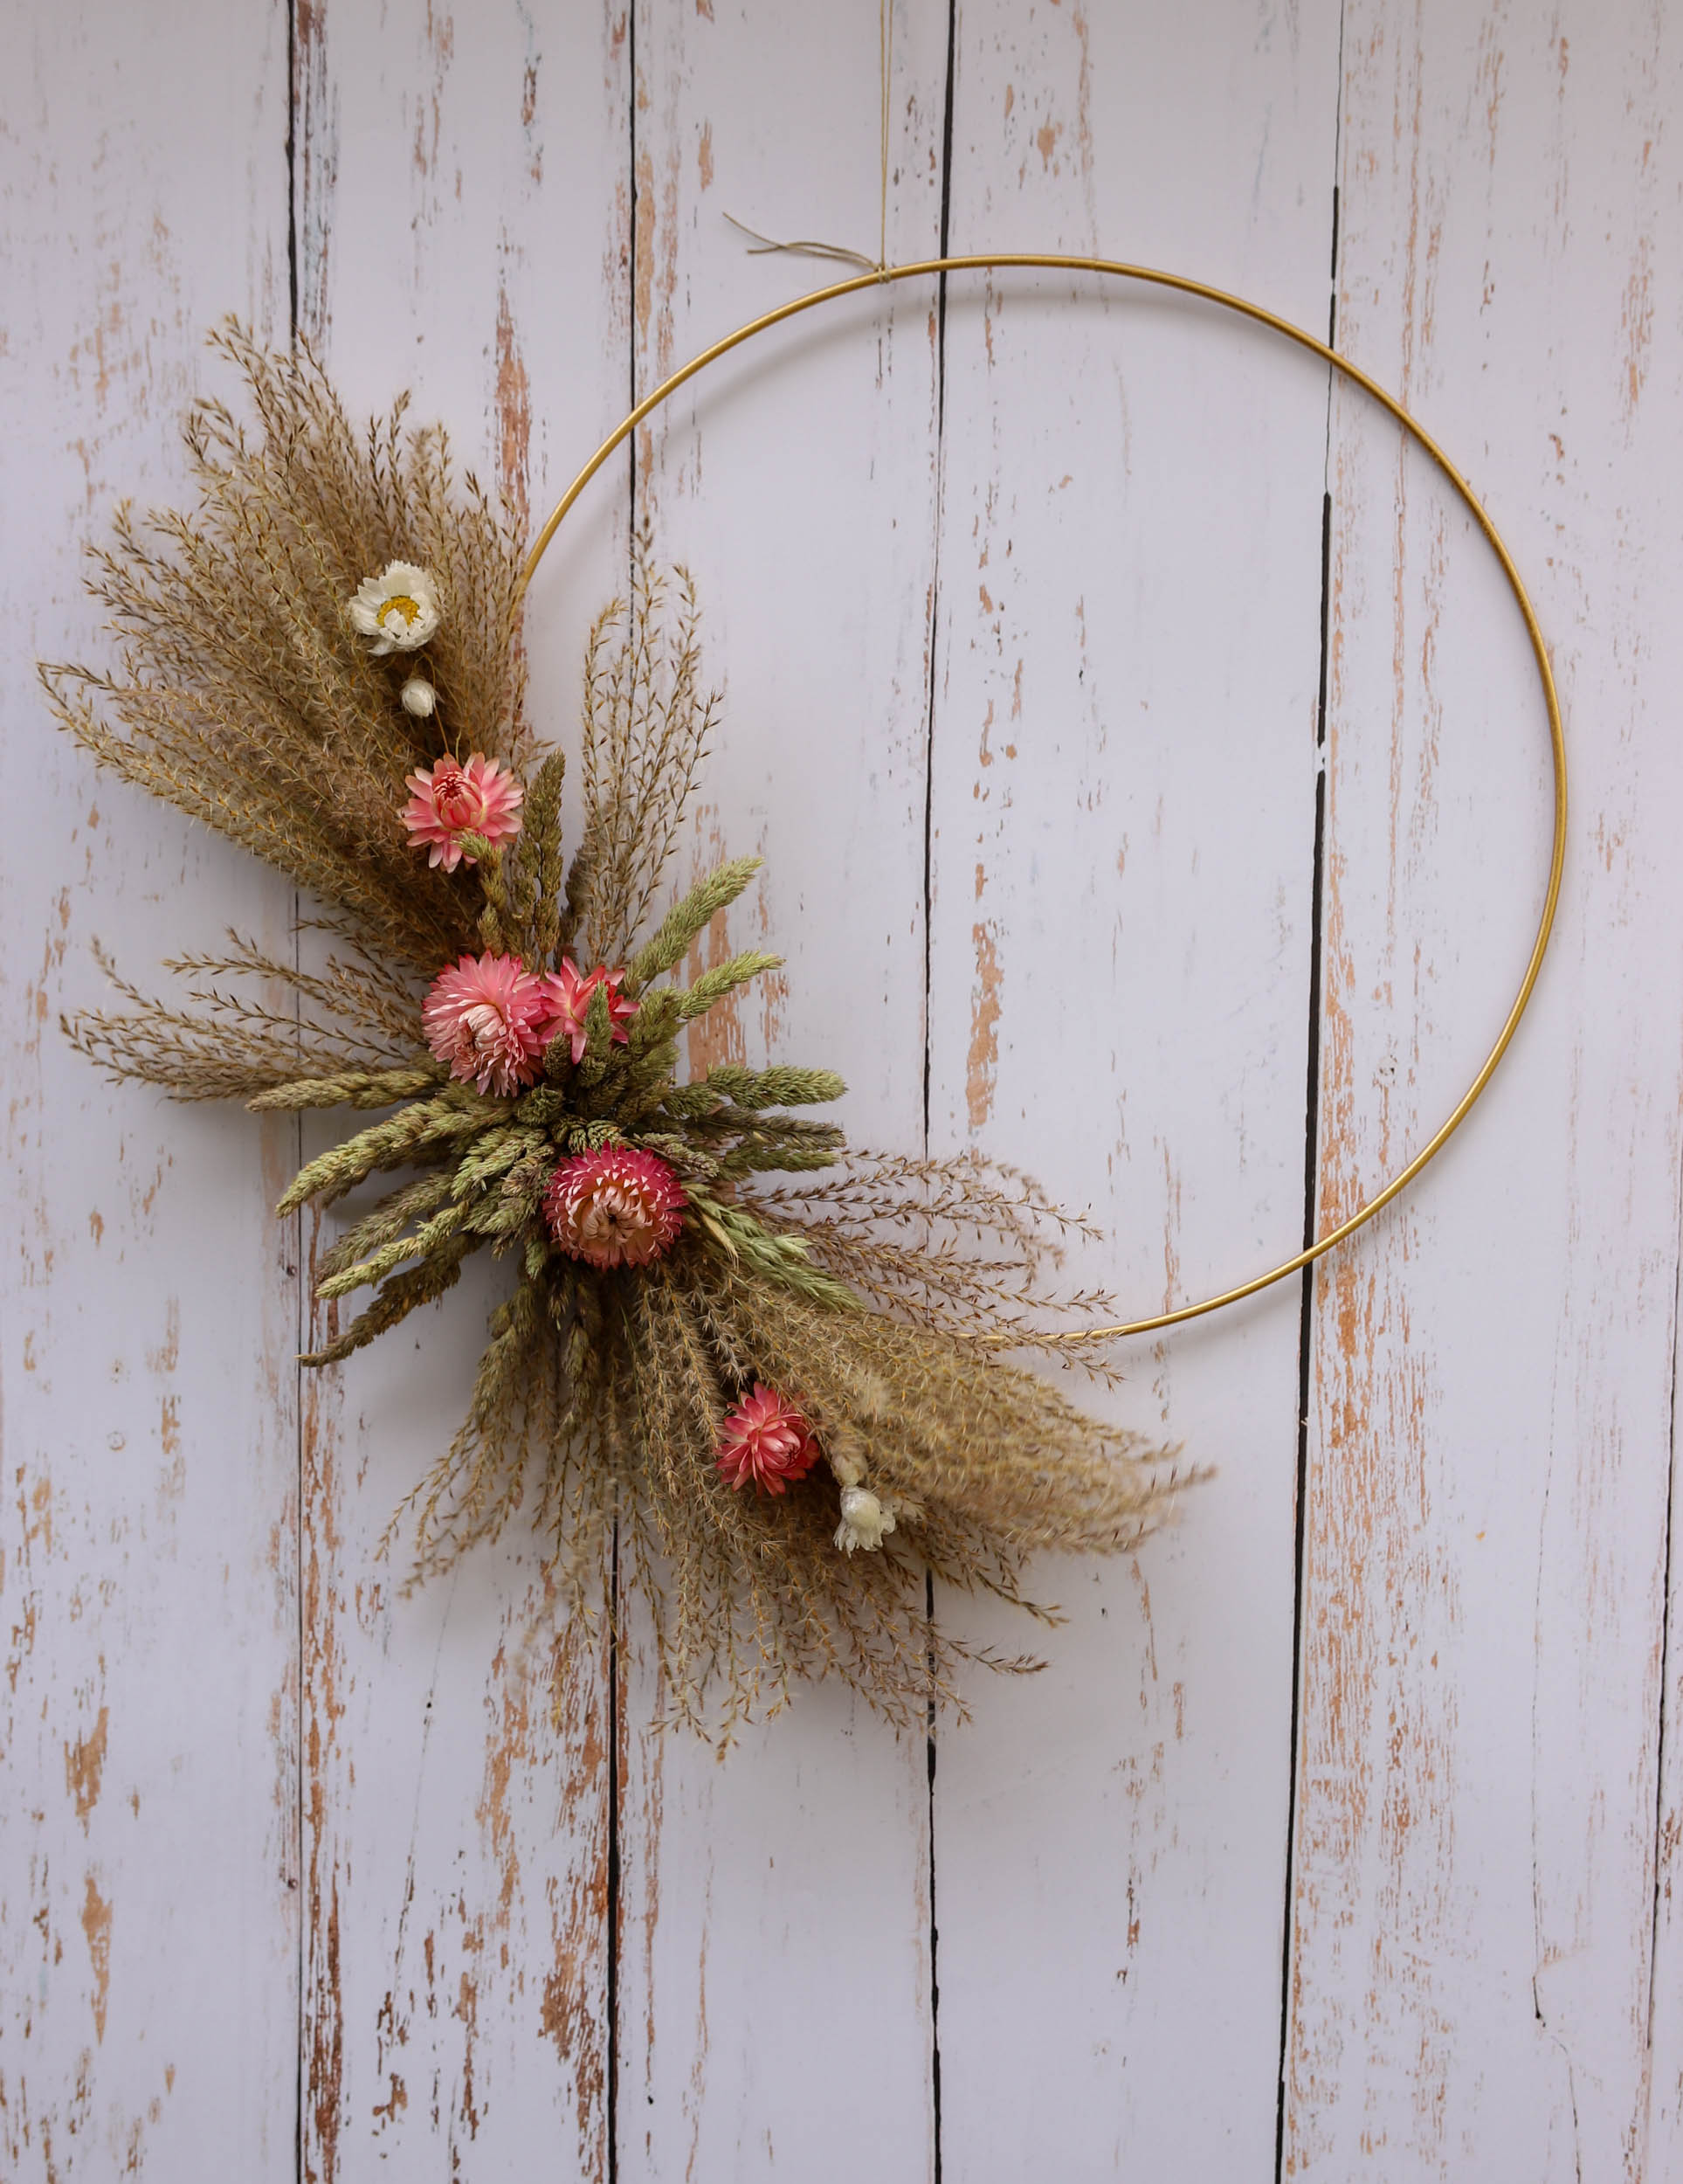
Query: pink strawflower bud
[
  {"x": 450, "y": 801},
  {"x": 567, "y": 997},
  {"x": 618, "y": 1206},
  {"x": 767, "y": 1440},
  {"x": 485, "y": 1017}
]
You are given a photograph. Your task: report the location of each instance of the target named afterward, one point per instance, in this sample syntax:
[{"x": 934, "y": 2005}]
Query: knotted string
[{"x": 838, "y": 254}]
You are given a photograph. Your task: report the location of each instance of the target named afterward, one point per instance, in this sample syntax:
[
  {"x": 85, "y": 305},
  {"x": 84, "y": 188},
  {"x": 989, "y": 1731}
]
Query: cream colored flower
[
  {"x": 864, "y": 1520},
  {"x": 418, "y": 696},
  {"x": 399, "y": 609}
]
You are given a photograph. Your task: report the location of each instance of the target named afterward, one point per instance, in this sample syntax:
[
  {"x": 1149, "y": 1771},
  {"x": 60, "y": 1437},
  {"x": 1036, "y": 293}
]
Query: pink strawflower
[
  {"x": 767, "y": 1440},
  {"x": 618, "y": 1206},
  {"x": 484, "y": 1017},
  {"x": 567, "y": 997},
  {"x": 452, "y": 800}
]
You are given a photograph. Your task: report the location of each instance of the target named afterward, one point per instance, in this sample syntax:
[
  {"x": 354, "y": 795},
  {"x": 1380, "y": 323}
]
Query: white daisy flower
[{"x": 398, "y": 609}]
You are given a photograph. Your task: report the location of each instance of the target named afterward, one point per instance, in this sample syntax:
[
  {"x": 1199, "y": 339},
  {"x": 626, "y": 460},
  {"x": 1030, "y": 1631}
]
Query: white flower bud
[
  {"x": 419, "y": 697},
  {"x": 864, "y": 1520}
]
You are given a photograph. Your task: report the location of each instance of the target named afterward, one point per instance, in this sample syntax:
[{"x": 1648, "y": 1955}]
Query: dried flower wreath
[{"x": 776, "y": 1392}]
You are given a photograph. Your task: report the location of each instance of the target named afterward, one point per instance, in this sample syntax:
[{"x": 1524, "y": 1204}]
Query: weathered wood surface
[
  {"x": 1125, "y": 761},
  {"x": 1341, "y": 1836},
  {"x": 1473, "y": 1988},
  {"x": 149, "y": 1900},
  {"x": 464, "y": 205},
  {"x": 774, "y": 2004}
]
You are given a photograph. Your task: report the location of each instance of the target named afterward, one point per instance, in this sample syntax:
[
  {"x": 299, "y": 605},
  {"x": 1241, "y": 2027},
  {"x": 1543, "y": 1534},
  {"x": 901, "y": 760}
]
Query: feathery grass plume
[
  {"x": 234, "y": 1048},
  {"x": 646, "y": 724},
  {"x": 659, "y": 1280},
  {"x": 245, "y": 697},
  {"x": 983, "y": 1237},
  {"x": 993, "y": 1463}
]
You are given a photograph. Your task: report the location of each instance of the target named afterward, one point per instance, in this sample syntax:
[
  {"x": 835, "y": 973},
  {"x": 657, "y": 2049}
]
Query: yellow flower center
[{"x": 400, "y": 603}]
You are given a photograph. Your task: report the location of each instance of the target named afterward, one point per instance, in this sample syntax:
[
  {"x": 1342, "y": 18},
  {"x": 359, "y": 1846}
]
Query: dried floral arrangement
[{"x": 792, "y": 1397}]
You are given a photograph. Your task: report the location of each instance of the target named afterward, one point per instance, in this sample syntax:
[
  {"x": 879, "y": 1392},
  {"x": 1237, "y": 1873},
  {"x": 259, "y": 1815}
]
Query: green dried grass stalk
[
  {"x": 647, "y": 722},
  {"x": 412, "y": 1201},
  {"x": 428, "y": 1241},
  {"x": 687, "y": 919},
  {"x": 782, "y": 1086},
  {"x": 352, "y": 1088},
  {"x": 404, "y": 1293},
  {"x": 420, "y": 1128},
  {"x": 712, "y": 987}
]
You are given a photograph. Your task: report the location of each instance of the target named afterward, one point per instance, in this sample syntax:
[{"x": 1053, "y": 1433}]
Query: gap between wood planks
[
  {"x": 616, "y": 1785},
  {"x": 296, "y": 1224},
  {"x": 929, "y": 915},
  {"x": 1311, "y": 1156},
  {"x": 1662, "y": 1741}
]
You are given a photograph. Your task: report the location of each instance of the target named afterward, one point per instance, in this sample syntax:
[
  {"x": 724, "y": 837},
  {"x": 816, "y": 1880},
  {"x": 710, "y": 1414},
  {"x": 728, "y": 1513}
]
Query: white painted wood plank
[
  {"x": 1665, "y": 2102},
  {"x": 148, "y": 1875},
  {"x": 1490, "y": 1436},
  {"x": 774, "y": 1982},
  {"x": 1125, "y": 762},
  {"x": 464, "y": 216}
]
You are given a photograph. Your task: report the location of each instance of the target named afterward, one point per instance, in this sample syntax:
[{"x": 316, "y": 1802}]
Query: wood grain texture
[
  {"x": 1021, "y": 606},
  {"x": 1472, "y": 1990},
  {"x": 149, "y": 1859}
]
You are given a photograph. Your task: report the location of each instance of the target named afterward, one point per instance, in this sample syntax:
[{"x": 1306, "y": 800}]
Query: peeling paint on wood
[
  {"x": 456, "y": 1818},
  {"x": 1490, "y": 1440},
  {"x": 85, "y": 1766},
  {"x": 1123, "y": 824},
  {"x": 146, "y": 1451},
  {"x": 800, "y": 491}
]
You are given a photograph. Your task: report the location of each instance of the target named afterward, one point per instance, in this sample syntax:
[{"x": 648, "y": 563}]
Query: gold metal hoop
[{"x": 1028, "y": 261}]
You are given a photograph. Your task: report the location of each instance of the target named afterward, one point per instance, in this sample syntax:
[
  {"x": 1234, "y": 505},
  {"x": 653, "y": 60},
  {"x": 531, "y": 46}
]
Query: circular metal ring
[{"x": 1057, "y": 263}]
